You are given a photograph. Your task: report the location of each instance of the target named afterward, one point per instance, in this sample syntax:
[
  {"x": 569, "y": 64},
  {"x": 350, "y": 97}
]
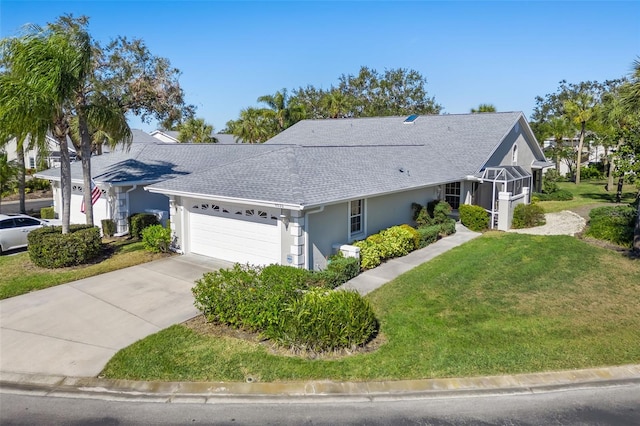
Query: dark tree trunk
[{"x": 21, "y": 177}]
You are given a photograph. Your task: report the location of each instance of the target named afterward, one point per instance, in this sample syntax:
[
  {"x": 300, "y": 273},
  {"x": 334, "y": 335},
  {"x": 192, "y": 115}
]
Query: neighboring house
[
  {"x": 320, "y": 183},
  {"x": 591, "y": 153},
  {"x": 171, "y": 136},
  {"x": 50, "y": 157}
]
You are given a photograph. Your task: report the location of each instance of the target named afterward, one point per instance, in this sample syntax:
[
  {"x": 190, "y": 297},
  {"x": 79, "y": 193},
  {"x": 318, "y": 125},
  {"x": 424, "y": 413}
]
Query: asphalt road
[
  {"x": 613, "y": 405},
  {"x": 31, "y": 205}
]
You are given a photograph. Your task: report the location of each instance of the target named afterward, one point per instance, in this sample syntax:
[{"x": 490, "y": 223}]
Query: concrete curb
[{"x": 315, "y": 391}]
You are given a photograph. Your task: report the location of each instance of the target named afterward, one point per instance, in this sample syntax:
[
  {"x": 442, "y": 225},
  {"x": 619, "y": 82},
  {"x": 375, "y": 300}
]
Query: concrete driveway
[{"x": 74, "y": 329}]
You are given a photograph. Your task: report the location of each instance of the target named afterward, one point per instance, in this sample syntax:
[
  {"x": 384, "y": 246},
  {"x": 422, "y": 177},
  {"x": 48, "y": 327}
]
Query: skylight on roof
[{"x": 410, "y": 119}]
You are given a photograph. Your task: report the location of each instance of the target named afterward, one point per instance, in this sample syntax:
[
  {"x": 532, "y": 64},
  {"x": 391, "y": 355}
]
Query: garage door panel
[{"x": 234, "y": 238}]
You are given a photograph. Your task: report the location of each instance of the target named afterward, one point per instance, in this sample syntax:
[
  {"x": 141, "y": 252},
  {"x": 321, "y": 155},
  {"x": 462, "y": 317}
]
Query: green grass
[
  {"x": 502, "y": 303},
  {"x": 588, "y": 193},
  {"x": 19, "y": 275}
]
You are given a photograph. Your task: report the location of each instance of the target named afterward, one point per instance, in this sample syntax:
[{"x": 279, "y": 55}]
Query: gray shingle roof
[{"x": 318, "y": 161}]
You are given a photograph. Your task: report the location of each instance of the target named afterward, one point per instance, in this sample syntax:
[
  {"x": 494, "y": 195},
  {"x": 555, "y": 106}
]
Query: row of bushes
[
  {"x": 433, "y": 222},
  {"x": 293, "y": 307},
  {"x": 49, "y": 248},
  {"x": 558, "y": 195},
  {"x": 612, "y": 223},
  {"x": 476, "y": 218}
]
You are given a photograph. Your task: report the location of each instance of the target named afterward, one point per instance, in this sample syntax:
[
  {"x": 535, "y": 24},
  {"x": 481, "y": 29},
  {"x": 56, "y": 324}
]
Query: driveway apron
[{"x": 74, "y": 329}]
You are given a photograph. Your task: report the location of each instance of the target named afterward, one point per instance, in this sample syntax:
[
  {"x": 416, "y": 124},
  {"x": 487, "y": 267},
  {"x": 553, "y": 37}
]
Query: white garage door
[{"x": 243, "y": 234}]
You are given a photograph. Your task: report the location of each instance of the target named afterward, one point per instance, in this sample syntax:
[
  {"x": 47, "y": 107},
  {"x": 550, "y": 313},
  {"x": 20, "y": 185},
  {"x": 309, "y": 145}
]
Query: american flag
[{"x": 95, "y": 195}]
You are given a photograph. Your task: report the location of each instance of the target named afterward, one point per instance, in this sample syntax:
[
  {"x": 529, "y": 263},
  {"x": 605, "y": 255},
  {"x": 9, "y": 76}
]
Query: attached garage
[
  {"x": 236, "y": 233},
  {"x": 100, "y": 208}
]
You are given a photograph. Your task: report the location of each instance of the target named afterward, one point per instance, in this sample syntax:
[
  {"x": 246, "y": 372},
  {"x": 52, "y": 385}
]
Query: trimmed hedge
[
  {"x": 392, "y": 242},
  {"x": 474, "y": 217},
  {"x": 156, "y": 238},
  {"x": 49, "y": 248},
  {"x": 139, "y": 221},
  {"x": 281, "y": 302},
  {"x": 323, "y": 320},
  {"x": 108, "y": 227},
  {"x": 47, "y": 213},
  {"x": 248, "y": 296},
  {"x": 435, "y": 212},
  {"x": 612, "y": 223},
  {"x": 527, "y": 216},
  {"x": 339, "y": 270}
]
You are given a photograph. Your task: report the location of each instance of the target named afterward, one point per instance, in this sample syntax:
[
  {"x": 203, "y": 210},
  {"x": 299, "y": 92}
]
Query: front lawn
[
  {"x": 588, "y": 193},
  {"x": 19, "y": 275},
  {"x": 502, "y": 303}
]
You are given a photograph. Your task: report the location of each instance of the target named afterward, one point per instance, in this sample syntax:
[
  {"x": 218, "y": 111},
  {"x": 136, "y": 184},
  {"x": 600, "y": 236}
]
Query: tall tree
[
  {"x": 629, "y": 154},
  {"x": 196, "y": 130},
  {"x": 44, "y": 69},
  {"x": 283, "y": 111},
  {"x": 575, "y": 102},
  {"x": 254, "y": 125},
  {"x": 8, "y": 173},
  {"x": 483, "y": 108}
]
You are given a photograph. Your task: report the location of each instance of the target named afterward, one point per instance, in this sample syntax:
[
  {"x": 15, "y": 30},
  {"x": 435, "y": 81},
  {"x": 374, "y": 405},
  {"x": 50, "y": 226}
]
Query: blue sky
[{"x": 502, "y": 52}]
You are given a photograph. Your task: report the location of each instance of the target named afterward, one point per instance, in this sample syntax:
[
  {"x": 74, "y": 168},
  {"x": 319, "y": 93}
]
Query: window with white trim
[
  {"x": 452, "y": 194},
  {"x": 514, "y": 155},
  {"x": 356, "y": 217}
]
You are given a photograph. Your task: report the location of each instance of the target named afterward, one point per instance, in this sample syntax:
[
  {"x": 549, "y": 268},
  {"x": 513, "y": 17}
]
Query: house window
[
  {"x": 32, "y": 163},
  {"x": 514, "y": 155},
  {"x": 356, "y": 217},
  {"x": 452, "y": 194}
]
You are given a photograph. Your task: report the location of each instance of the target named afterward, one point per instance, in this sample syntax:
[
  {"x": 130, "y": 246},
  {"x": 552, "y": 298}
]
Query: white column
[{"x": 504, "y": 212}]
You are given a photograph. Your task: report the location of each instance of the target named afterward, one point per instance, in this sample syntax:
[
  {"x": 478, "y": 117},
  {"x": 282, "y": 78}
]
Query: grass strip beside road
[
  {"x": 501, "y": 304},
  {"x": 18, "y": 275}
]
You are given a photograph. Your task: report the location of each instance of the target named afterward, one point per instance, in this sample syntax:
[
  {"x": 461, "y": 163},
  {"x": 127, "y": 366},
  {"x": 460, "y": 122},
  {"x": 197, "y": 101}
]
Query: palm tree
[
  {"x": 483, "y": 108},
  {"x": 558, "y": 129},
  {"x": 335, "y": 103},
  {"x": 45, "y": 69},
  {"x": 8, "y": 172},
  {"x": 255, "y": 125},
  {"x": 283, "y": 112},
  {"x": 580, "y": 110},
  {"x": 196, "y": 130}
]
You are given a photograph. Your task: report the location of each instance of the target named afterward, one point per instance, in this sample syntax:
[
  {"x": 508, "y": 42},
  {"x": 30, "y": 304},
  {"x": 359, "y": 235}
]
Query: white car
[{"x": 14, "y": 229}]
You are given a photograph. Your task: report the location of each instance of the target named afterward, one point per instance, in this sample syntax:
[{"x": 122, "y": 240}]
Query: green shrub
[
  {"x": 550, "y": 181},
  {"x": 49, "y": 248},
  {"x": 448, "y": 227},
  {"x": 474, "y": 217},
  {"x": 108, "y": 227},
  {"x": 139, "y": 221},
  {"x": 441, "y": 211},
  {"x": 397, "y": 241},
  {"x": 591, "y": 172},
  {"x": 37, "y": 184},
  {"x": 414, "y": 233},
  {"x": 392, "y": 242},
  {"x": 247, "y": 296},
  {"x": 339, "y": 270},
  {"x": 371, "y": 253},
  {"x": 612, "y": 223},
  {"x": 323, "y": 320},
  {"x": 435, "y": 212},
  {"x": 527, "y": 216},
  {"x": 156, "y": 238},
  {"x": 428, "y": 234},
  {"x": 47, "y": 213}
]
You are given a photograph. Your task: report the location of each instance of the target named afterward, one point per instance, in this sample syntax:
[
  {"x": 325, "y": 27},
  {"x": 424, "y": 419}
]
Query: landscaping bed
[{"x": 501, "y": 304}]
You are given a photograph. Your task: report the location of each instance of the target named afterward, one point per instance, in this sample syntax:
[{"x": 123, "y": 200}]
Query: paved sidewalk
[
  {"x": 74, "y": 329},
  {"x": 370, "y": 280}
]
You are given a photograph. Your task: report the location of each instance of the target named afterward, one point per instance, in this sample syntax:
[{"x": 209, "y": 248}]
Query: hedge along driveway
[{"x": 74, "y": 329}]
